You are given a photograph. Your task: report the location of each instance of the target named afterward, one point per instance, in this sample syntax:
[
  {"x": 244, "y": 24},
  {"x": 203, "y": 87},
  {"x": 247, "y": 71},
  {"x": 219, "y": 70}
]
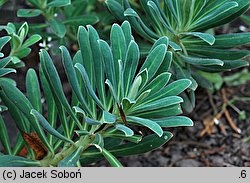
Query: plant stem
[{"x": 53, "y": 161}]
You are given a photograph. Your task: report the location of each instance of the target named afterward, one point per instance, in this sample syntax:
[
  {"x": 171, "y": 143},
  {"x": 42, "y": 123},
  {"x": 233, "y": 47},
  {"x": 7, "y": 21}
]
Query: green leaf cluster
[
  {"x": 62, "y": 17},
  {"x": 186, "y": 23},
  {"x": 20, "y": 46},
  {"x": 113, "y": 97},
  {"x": 119, "y": 85}
]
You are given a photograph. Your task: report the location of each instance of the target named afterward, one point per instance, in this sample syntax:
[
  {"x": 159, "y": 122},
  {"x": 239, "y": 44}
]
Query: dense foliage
[
  {"x": 95, "y": 114},
  {"x": 187, "y": 24},
  {"x": 125, "y": 91}
]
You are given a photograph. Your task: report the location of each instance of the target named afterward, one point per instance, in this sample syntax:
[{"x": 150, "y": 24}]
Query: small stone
[
  {"x": 176, "y": 157},
  {"x": 245, "y": 149},
  {"x": 163, "y": 161},
  {"x": 247, "y": 164},
  {"x": 217, "y": 161},
  {"x": 188, "y": 163}
]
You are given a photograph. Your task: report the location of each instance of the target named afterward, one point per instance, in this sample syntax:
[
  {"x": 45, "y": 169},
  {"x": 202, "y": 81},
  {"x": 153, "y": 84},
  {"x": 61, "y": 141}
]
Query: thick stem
[{"x": 53, "y": 161}]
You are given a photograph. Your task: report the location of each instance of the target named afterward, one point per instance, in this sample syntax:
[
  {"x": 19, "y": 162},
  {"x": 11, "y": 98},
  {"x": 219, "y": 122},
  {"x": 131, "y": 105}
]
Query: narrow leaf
[
  {"x": 111, "y": 158},
  {"x": 4, "y": 137},
  {"x": 108, "y": 117},
  {"x": 88, "y": 85},
  {"x": 72, "y": 159},
  {"x": 201, "y": 61},
  {"x": 147, "y": 123},
  {"x": 16, "y": 161},
  {"x": 126, "y": 130},
  {"x": 44, "y": 123},
  {"x": 57, "y": 27},
  {"x": 59, "y": 3},
  {"x": 210, "y": 39},
  {"x": 28, "y": 12},
  {"x": 154, "y": 60},
  {"x": 174, "y": 121},
  {"x": 33, "y": 90}
]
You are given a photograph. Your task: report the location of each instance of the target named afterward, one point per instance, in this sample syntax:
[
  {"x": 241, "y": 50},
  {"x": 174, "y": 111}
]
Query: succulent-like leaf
[
  {"x": 174, "y": 121},
  {"x": 72, "y": 159},
  {"x": 154, "y": 60},
  {"x": 201, "y": 61},
  {"x": 147, "y": 144},
  {"x": 127, "y": 131},
  {"x": 16, "y": 161},
  {"x": 4, "y": 137},
  {"x": 183, "y": 27},
  {"x": 173, "y": 89},
  {"x": 59, "y": 3},
  {"x": 108, "y": 117},
  {"x": 73, "y": 80},
  {"x": 108, "y": 61},
  {"x": 45, "y": 124},
  {"x": 210, "y": 39},
  {"x": 147, "y": 123},
  {"x": 57, "y": 27},
  {"x": 111, "y": 158},
  {"x": 56, "y": 84},
  {"x": 28, "y": 12},
  {"x": 4, "y": 40},
  {"x": 33, "y": 90},
  {"x": 23, "y": 104},
  {"x": 88, "y": 85},
  {"x": 130, "y": 65}
]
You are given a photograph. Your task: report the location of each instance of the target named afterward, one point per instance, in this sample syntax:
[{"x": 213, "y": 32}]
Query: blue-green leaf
[
  {"x": 5, "y": 61},
  {"x": 173, "y": 89},
  {"x": 17, "y": 161},
  {"x": 158, "y": 104},
  {"x": 154, "y": 60},
  {"x": 126, "y": 28},
  {"x": 147, "y": 123},
  {"x": 201, "y": 61},
  {"x": 72, "y": 159},
  {"x": 59, "y": 3},
  {"x": 174, "y": 121},
  {"x": 112, "y": 91},
  {"x": 89, "y": 121},
  {"x": 33, "y": 90},
  {"x": 4, "y": 137},
  {"x": 158, "y": 83},
  {"x": 5, "y": 71},
  {"x": 108, "y": 61},
  {"x": 28, "y": 12},
  {"x": 126, "y": 130},
  {"x": 130, "y": 65},
  {"x": 111, "y": 158},
  {"x": 72, "y": 77},
  {"x": 210, "y": 39},
  {"x": 88, "y": 85},
  {"x": 45, "y": 124},
  {"x": 98, "y": 142},
  {"x": 108, "y": 117},
  {"x": 56, "y": 85},
  {"x": 23, "y": 104},
  {"x": 57, "y": 27},
  {"x": 32, "y": 40},
  {"x": 3, "y": 41}
]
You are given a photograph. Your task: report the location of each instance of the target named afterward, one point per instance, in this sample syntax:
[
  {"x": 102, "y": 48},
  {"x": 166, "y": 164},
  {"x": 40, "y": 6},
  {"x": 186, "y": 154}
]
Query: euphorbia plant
[
  {"x": 187, "y": 23},
  {"x": 10, "y": 60},
  {"x": 19, "y": 42},
  {"x": 19, "y": 48},
  {"x": 62, "y": 18},
  {"x": 113, "y": 97}
]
